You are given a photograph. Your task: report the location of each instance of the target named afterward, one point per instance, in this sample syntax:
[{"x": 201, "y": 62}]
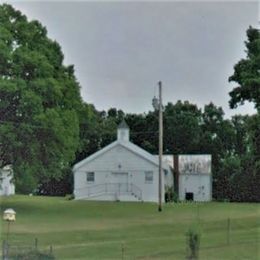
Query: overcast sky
[{"x": 121, "y": 50}]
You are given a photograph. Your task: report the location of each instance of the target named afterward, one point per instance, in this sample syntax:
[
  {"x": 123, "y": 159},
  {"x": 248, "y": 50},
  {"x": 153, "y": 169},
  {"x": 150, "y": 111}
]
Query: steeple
[{"x": 123, "y": 132}]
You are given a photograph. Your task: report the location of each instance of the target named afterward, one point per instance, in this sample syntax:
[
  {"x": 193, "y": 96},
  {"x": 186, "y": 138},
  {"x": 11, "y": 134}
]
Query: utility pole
[
  {"x": 157, "y": 104},
  {"x": 160, "y": 145}
]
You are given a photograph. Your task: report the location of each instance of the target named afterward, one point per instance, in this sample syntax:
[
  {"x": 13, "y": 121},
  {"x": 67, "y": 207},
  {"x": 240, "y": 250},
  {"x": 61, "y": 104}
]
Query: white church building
[{"x": 122, "y": 171}]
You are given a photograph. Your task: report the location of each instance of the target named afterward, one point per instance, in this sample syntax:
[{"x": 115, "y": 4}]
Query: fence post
[
  {"x": 50, "y": 250},
  {"x": 228, "y": 231},
  {"x": 36, "y": 243},
  {"x": 5, "y": 250},
  {"x": 123, "y": 250}
]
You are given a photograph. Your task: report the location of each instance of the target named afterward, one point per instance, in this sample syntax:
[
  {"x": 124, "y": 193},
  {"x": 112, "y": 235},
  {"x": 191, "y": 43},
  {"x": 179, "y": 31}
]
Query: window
[
  {"x": 90, "y": 176},
  {"x": 149, "y": 177}
]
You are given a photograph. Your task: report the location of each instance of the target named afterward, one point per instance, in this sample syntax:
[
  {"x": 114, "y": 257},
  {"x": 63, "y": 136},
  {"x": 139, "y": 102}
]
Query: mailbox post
[{"x": 9, "y": 216}]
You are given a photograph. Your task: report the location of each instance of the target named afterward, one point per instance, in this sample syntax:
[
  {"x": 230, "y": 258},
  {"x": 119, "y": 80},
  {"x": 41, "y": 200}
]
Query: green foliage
[
  {"x": 238, "y": 174},
  {"x": 69, "y": 197},
  {"x": 170, "y": 195},
  {"x": 56, "y": 187},
  {"x": 246, "y": 73},
  {"x": 229, "y": 167},
  {"x": 144, "y": 130},
  {"x": 193, "y": 244},
  {"x": 97, "y": 129},
  {"x": 89, "y": 131},
  {"x": 182, "y": 127},
  {"x": 26, "y": 181},
  {"x": 39, "y": 102}
]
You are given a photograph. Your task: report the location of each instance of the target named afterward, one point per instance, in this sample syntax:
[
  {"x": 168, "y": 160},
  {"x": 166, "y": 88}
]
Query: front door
[
  {"x": 119, "y": 177},
  {"x": 119, "y": 183}
]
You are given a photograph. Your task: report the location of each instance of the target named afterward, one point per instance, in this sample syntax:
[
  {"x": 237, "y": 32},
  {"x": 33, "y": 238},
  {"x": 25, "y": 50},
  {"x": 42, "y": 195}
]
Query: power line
[
  {"x": 45, "y": 127},
  {"x": 25, "y": 124}
]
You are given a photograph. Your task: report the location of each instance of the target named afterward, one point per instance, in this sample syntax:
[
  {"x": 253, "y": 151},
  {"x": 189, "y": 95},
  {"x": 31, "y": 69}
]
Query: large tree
[
  {"x": 182, "y": 127},
  {"x": 39, "y": 100},
  {"x": 247, "y": 73}
]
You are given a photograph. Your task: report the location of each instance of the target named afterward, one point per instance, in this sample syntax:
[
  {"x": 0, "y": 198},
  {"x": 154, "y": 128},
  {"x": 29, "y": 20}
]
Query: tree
[
  {"x": 247, "y": 73},
  {"x": 217, "y": 137},
  {"x": 90, "y": 124},
  {"x": 182, "y": 127},
  {"x": 108, "y": 127},
  {"x": 39, "y": 100},
  {"x": 254, "y": 135},
  {"x": 241, "y": 135},
  {"x": 144, "y": 130}
]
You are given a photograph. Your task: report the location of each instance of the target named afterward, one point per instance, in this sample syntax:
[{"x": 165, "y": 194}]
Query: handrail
[
  {"x": 114, "y": 188},
  {"x": 137, "y": 191}
]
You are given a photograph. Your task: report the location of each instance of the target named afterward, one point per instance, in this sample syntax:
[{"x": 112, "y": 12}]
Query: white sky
[{"x": 121, "y": 50}]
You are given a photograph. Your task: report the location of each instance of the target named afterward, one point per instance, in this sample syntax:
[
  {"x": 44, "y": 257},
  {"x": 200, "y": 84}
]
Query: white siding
[
  {"x": 199, "y": 185},
  {"x": 168, "y": 178},
  {"x": 118, "y": 159}
]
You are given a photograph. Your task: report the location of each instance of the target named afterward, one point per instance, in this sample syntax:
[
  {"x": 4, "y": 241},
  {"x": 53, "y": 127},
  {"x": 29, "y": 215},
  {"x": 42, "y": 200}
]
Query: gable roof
[{"x": 129, "y": 146}]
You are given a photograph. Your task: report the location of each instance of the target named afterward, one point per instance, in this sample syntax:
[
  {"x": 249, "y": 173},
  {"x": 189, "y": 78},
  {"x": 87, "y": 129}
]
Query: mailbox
[{"x": 9, "y": 215}]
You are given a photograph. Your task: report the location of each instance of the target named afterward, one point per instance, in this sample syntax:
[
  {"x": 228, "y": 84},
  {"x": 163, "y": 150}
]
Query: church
[{"x": 123, "y": 171}]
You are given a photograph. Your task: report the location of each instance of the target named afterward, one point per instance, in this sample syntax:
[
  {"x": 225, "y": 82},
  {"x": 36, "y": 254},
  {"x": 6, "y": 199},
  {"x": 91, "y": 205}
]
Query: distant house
[
  {"x": 7, "y": 186},
  {"x": 120, "y": 171}
]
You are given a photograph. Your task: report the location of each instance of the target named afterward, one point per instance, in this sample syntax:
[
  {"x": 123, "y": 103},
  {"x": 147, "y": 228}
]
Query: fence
[
  {"x": 209, "y": 240},
  {"x": 28, "y": 252},
  {"x": 217, "y": 235}
]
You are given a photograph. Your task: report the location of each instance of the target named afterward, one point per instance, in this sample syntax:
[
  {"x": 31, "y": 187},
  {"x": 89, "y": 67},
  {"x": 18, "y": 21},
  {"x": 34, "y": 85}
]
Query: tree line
[{"x": 46, "y": 127}]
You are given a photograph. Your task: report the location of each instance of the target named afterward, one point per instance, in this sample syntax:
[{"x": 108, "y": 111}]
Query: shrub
[
  {"x": 193, "y": 243},
  {"x": 69, "y": 197},
  {"x": 170, "y": 195}
]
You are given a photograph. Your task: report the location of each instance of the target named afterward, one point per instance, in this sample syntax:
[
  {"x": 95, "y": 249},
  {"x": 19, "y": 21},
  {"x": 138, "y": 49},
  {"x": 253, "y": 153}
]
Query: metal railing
[{"x": 116, "y": 189}]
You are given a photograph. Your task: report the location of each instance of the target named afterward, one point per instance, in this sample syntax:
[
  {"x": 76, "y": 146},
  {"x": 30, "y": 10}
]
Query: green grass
[{"x": 97, "y": 230}]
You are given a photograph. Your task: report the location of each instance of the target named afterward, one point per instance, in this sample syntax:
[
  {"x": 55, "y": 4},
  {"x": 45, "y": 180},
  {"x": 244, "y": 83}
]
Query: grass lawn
[{"x": 99, "y": 230}]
